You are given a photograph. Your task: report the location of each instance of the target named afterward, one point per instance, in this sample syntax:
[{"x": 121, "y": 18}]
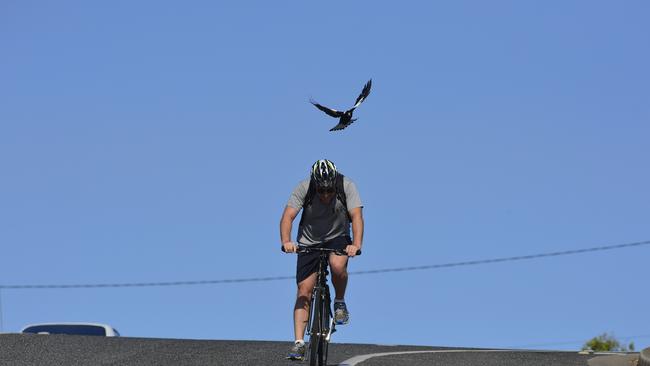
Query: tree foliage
[{"x": 607, "y": 343}]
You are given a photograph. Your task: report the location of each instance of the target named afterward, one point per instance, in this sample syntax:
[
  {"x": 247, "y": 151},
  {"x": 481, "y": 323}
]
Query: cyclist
[{"x": 331, "y": 205}]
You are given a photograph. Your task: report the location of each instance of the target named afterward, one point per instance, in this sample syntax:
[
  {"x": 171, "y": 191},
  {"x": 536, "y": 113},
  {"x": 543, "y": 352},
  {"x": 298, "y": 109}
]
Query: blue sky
[{"x": 159, "y": 141}]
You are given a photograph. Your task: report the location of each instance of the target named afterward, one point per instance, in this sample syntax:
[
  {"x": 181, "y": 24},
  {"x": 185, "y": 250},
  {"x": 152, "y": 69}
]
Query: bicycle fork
[
  {"x": 328, "y": 317},
  {"x": 327, "y": 326},
  {"x": 331, "y": 330}
]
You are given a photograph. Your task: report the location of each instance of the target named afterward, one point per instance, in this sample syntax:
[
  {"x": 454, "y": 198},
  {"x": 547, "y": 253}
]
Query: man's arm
[
  {"x": 356, "y": 214},
  {"x": 286, "y": 222}
]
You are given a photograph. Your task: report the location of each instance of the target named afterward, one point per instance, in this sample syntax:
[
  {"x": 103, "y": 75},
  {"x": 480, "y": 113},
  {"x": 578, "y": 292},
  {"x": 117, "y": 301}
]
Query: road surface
[{"x": 45, "y": 350}]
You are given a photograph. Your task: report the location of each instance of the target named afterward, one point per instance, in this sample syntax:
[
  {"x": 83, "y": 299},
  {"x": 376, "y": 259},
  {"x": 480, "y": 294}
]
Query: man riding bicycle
[{"x": 330, "y": 204}]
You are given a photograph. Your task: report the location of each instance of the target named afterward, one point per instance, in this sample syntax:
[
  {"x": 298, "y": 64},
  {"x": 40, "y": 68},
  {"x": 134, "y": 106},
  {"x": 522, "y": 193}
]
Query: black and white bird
[{"x": 345, "y": 118}]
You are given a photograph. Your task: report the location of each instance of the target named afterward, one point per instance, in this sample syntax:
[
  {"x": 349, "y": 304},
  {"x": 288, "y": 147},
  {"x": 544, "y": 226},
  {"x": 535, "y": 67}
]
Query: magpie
[{"x": 345, "y": 118}]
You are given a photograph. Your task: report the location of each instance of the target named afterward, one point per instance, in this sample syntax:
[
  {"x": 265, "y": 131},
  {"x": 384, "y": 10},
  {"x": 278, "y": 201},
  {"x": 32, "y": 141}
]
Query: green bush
[{"x": 607, "y": 343}]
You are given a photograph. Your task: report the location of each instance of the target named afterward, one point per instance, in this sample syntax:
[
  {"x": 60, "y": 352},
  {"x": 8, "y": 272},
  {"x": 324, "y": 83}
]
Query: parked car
[{"x": 90, "y": 329}]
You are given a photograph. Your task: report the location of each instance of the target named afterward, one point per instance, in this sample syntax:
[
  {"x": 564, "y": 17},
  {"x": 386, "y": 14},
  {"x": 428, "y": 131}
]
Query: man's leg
[
  {"x": 301, "y": 310},
  {"x": 301, "y": 316},
  {"x": 339, "y": 267}
]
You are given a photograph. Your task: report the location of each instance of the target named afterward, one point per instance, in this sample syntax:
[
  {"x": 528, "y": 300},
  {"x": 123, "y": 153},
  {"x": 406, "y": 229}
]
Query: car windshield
[{"x": 67, "y": 329}]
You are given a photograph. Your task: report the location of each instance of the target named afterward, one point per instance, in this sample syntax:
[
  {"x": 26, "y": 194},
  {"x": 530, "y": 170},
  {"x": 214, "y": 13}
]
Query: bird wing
[
  {"x": 364, "y": 93},
  {"x": 342, "y": 125},
  {"x": 331, "y": 112}
]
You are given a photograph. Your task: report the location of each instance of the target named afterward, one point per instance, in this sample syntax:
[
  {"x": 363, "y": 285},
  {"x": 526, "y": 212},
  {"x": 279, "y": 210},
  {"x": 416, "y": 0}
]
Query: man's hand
[
  {"x": 290, "y": 247},
  {"x": 352, "y": 250}
]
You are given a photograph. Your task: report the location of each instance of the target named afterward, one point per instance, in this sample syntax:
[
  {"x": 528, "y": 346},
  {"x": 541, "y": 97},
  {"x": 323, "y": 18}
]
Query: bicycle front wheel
[
  {"x": 327, "y": 325},
  {"x": 315, "y": 333}
]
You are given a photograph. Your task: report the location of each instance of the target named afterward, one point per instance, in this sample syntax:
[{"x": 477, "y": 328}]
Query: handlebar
[{"x": 308, "y": 249}]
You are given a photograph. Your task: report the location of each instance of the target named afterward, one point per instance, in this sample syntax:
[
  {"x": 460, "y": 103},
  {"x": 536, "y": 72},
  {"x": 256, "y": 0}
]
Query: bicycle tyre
[
  {"x": 323, "y": 348},
  {"x": 321, "y": 352},
  {"x": 315, "y": 337},
  {"x": 326, "y": 316}
]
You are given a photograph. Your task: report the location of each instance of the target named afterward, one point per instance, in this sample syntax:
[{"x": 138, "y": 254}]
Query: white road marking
[{"x": 358, "y": 359}]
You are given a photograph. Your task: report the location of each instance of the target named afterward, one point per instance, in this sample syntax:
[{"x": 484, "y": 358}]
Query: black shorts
[{"x": 308, "y": 262}]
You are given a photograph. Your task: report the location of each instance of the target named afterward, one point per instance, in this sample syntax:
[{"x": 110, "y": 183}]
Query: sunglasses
[{"x": 325, "y": 190}]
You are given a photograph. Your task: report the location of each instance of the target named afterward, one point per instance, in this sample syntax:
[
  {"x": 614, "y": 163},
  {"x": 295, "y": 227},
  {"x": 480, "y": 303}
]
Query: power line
[
  {"x": 507, "y": 259},
  {"x": 150, "y": 284},
  {"x": 375, "y": 271}
]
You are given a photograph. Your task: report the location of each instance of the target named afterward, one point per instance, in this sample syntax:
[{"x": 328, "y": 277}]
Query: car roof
[{"x": 109, "y": 328}]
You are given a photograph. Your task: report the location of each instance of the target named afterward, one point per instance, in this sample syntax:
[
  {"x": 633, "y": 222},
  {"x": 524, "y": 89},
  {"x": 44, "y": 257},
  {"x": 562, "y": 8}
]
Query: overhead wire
[
  {"x": 506, "y": 259},
  {"x": 365, "y": 272}
]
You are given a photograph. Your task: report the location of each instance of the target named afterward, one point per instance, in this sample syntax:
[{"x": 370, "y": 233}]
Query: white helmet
[{"x": 324, "y": 173}]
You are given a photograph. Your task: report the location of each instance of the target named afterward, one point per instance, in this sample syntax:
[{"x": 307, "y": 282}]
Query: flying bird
[{"x": 345, "y": 118}]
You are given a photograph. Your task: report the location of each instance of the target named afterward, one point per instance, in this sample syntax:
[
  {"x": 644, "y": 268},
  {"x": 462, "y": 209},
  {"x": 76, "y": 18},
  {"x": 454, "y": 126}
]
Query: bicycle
[{"x": 321, "y": 323}]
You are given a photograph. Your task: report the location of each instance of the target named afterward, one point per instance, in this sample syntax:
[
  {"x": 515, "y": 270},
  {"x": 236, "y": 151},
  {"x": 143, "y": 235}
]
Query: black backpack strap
[{"x": 340, "y": 194}]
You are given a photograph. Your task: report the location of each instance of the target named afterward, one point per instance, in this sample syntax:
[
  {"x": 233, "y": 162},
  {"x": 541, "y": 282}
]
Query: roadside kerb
[{"x": 644, "y": 357}]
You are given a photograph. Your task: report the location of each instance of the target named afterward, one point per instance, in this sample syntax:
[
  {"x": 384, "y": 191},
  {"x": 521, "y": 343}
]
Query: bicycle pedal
[{"x": 296, "y": 358}]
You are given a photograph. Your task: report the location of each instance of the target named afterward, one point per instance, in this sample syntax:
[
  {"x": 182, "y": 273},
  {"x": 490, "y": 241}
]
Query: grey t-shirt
[{"x": 323, "y": 222}]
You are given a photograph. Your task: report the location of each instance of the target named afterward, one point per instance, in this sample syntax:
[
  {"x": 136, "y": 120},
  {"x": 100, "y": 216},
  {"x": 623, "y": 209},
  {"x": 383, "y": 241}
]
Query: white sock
[{"x": 300, "y": 342}]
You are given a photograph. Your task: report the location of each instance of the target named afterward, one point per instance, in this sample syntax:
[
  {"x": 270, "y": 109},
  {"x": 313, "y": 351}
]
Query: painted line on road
[{"x": 358, "y": 359}]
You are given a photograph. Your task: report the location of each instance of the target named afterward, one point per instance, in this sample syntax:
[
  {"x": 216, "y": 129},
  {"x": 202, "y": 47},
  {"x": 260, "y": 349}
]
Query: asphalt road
[{"x": 44, "y": 350}]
